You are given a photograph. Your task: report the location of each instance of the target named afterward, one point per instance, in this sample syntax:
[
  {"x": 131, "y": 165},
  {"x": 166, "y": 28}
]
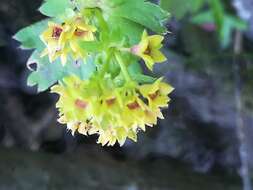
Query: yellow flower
[
  {"x": 149, "y": 49},
  {"x": 61, "y": 40},
  {"x": 78, "y": 31},
  {"x": 156, "y": 93},
  {"x": 113, "y": 113},
  {"x": 51, "y": 38},
  {"x": 135, "y": 112}
]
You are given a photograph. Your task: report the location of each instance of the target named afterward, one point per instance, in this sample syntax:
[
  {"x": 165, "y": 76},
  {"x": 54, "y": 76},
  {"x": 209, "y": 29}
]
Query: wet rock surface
[{"x": 87, "y": 169}]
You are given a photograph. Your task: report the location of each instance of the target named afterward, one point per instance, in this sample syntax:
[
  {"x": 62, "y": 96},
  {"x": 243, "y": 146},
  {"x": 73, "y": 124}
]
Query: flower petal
[
  {"x": 158, "y": 56},
  {"x": 155, "y": 41}
]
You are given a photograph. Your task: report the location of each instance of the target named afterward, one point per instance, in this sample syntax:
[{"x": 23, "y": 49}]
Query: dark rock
[{"x": 92, "y": 170}]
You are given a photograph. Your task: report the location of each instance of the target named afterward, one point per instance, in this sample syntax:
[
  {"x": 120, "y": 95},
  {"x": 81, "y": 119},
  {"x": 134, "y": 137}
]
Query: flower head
[
  {"x": 116, "y": 100},
  {"x": 149, "y": 49},
  {"x": 61, "y": 40},
  {"x": 113, "y": 113}
]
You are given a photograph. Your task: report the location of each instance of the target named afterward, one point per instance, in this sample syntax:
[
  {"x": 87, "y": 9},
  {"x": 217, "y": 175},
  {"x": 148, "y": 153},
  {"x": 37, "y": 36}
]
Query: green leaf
[
  {"x": 218, "y": 13},
  {"x": 143, "y": 79},
  {"x": 141, "y": 12},
  {"x": 144, "y": 13},
  {"x": 29, "y": 36},
  {"x": 128, "y": 28},
  {"x": 180, "y": 8},
  {"x": 237, "y": 23},
  {"x": 135, "y": 72},
  {"x": 53, "y": 8},
  {"x": 229, "y": 24},
  {"x": 48, "y": 74},
  {"x": 134, "y": 68},
  {"x": 203, "y": 18}
]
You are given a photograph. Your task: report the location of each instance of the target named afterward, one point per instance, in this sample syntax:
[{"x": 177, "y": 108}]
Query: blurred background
[{"x": 205, "y": 142}]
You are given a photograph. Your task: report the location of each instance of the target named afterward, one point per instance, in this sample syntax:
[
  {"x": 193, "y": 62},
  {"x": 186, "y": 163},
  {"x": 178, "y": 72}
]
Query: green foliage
[
  {"x": 54, "y": 8},
  {"x": 135, "y": 72},
  {"x": 216, "y": 14},
  {"x": 145, "y": 13},
  {"x": 179, "y": 8},
  {"x": 129, "y": 28},
  {"x": 29, "y": 36},
  {"x": 226, "y": 26},
  {"x": 142, "y": 12},
  {"x": 48, "y": 74}
]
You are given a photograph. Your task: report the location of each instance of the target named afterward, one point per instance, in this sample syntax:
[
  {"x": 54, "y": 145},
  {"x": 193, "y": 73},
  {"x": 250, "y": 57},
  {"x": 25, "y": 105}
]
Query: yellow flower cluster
[
  {"x": 61, "y": 40},
  {"x": 114, "y": 113}
]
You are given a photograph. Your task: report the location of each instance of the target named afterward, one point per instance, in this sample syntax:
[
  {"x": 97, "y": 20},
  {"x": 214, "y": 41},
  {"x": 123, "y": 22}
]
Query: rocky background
[{"x": 195, "y": 148}]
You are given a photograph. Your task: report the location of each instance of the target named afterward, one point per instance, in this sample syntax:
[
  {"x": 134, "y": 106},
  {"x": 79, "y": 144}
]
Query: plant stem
[
  {"x": 240, "y": 126},
  {"x": 125, "y": 49},
  {"x": 101, "y": 20},
  {"x": 123, "y": 67},
  {"x": 106, "y": 64}
]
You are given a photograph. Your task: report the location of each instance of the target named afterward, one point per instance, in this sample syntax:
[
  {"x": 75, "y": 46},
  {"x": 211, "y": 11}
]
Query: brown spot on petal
[
  {"x": 147, "y": 112},
  {"x": 78, "y": 19},
  {"x": 111, "y": 101},
  {"x": 133, "y": 106},
  {"x": 80, "y": 33},
  {"x": 57, "y": 32},
  {"x": 147, "y": 51},
  {"x": 154, "y": 95},
  {"x": 81, "y": 104}
]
